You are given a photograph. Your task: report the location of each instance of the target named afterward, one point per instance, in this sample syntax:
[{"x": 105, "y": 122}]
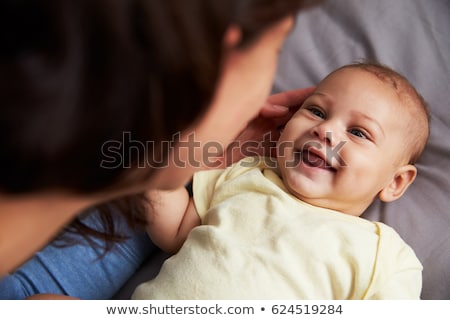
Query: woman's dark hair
[{"x": 78, "y": 74}]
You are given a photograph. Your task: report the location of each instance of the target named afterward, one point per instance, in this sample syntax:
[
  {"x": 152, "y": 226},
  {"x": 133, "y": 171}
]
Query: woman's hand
[{"x": 262, "y": 133}]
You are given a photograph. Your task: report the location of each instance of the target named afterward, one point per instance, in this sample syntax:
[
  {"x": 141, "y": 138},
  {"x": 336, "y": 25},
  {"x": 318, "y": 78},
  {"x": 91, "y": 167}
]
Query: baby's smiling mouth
[{"x": 314, "y": 158}]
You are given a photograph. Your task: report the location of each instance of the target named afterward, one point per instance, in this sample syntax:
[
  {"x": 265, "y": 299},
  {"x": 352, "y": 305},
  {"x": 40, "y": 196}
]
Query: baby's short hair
[{"x": 415, "y": 104}]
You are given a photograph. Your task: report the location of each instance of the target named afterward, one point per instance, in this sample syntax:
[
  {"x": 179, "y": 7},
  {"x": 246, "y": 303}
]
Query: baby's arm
[{"x": 171, "y": 216}]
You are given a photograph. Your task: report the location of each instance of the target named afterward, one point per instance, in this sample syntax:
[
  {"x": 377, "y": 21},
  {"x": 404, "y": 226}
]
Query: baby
[{"x": 290, "y": 228}]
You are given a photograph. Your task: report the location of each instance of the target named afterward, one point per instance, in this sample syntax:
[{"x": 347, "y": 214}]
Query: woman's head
[{"x": 77, "y": 74}]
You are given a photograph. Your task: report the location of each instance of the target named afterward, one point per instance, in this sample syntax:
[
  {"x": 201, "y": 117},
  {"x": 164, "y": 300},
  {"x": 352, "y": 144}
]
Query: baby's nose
[{"x": 325, "y": 133}]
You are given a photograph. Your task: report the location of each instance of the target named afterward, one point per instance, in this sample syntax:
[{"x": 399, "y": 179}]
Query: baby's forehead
[
  {"x": 351, "y": 80},
  {"x": 355, "y": 78},
  {"x": 355, "y": 73},
  {"x": 360, "y": 72}
]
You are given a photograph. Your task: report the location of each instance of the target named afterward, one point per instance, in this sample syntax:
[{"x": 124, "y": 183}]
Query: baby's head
[{"x": 355, "y": 138}]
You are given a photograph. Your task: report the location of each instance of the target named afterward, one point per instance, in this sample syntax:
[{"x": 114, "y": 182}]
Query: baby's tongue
[{"x": 313, "y": 160}]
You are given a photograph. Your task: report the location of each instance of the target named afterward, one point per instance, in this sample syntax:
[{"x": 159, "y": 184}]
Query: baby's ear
[{"x": 404, "y": 176}]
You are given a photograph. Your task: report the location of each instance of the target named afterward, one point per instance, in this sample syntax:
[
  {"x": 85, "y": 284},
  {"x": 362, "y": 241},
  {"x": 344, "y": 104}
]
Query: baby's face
[{"x": 344, "y": 144}]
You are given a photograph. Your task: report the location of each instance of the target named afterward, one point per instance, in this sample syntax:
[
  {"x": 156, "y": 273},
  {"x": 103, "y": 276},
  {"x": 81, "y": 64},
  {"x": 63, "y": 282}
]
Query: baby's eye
[
  {"x": 316, "y": 111},
  {"x": 358, "y": 133}
]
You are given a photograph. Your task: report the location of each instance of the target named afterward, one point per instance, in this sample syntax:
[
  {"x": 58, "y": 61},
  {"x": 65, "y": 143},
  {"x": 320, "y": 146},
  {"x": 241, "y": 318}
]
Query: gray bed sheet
[{"x": 413, "y": 37}]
